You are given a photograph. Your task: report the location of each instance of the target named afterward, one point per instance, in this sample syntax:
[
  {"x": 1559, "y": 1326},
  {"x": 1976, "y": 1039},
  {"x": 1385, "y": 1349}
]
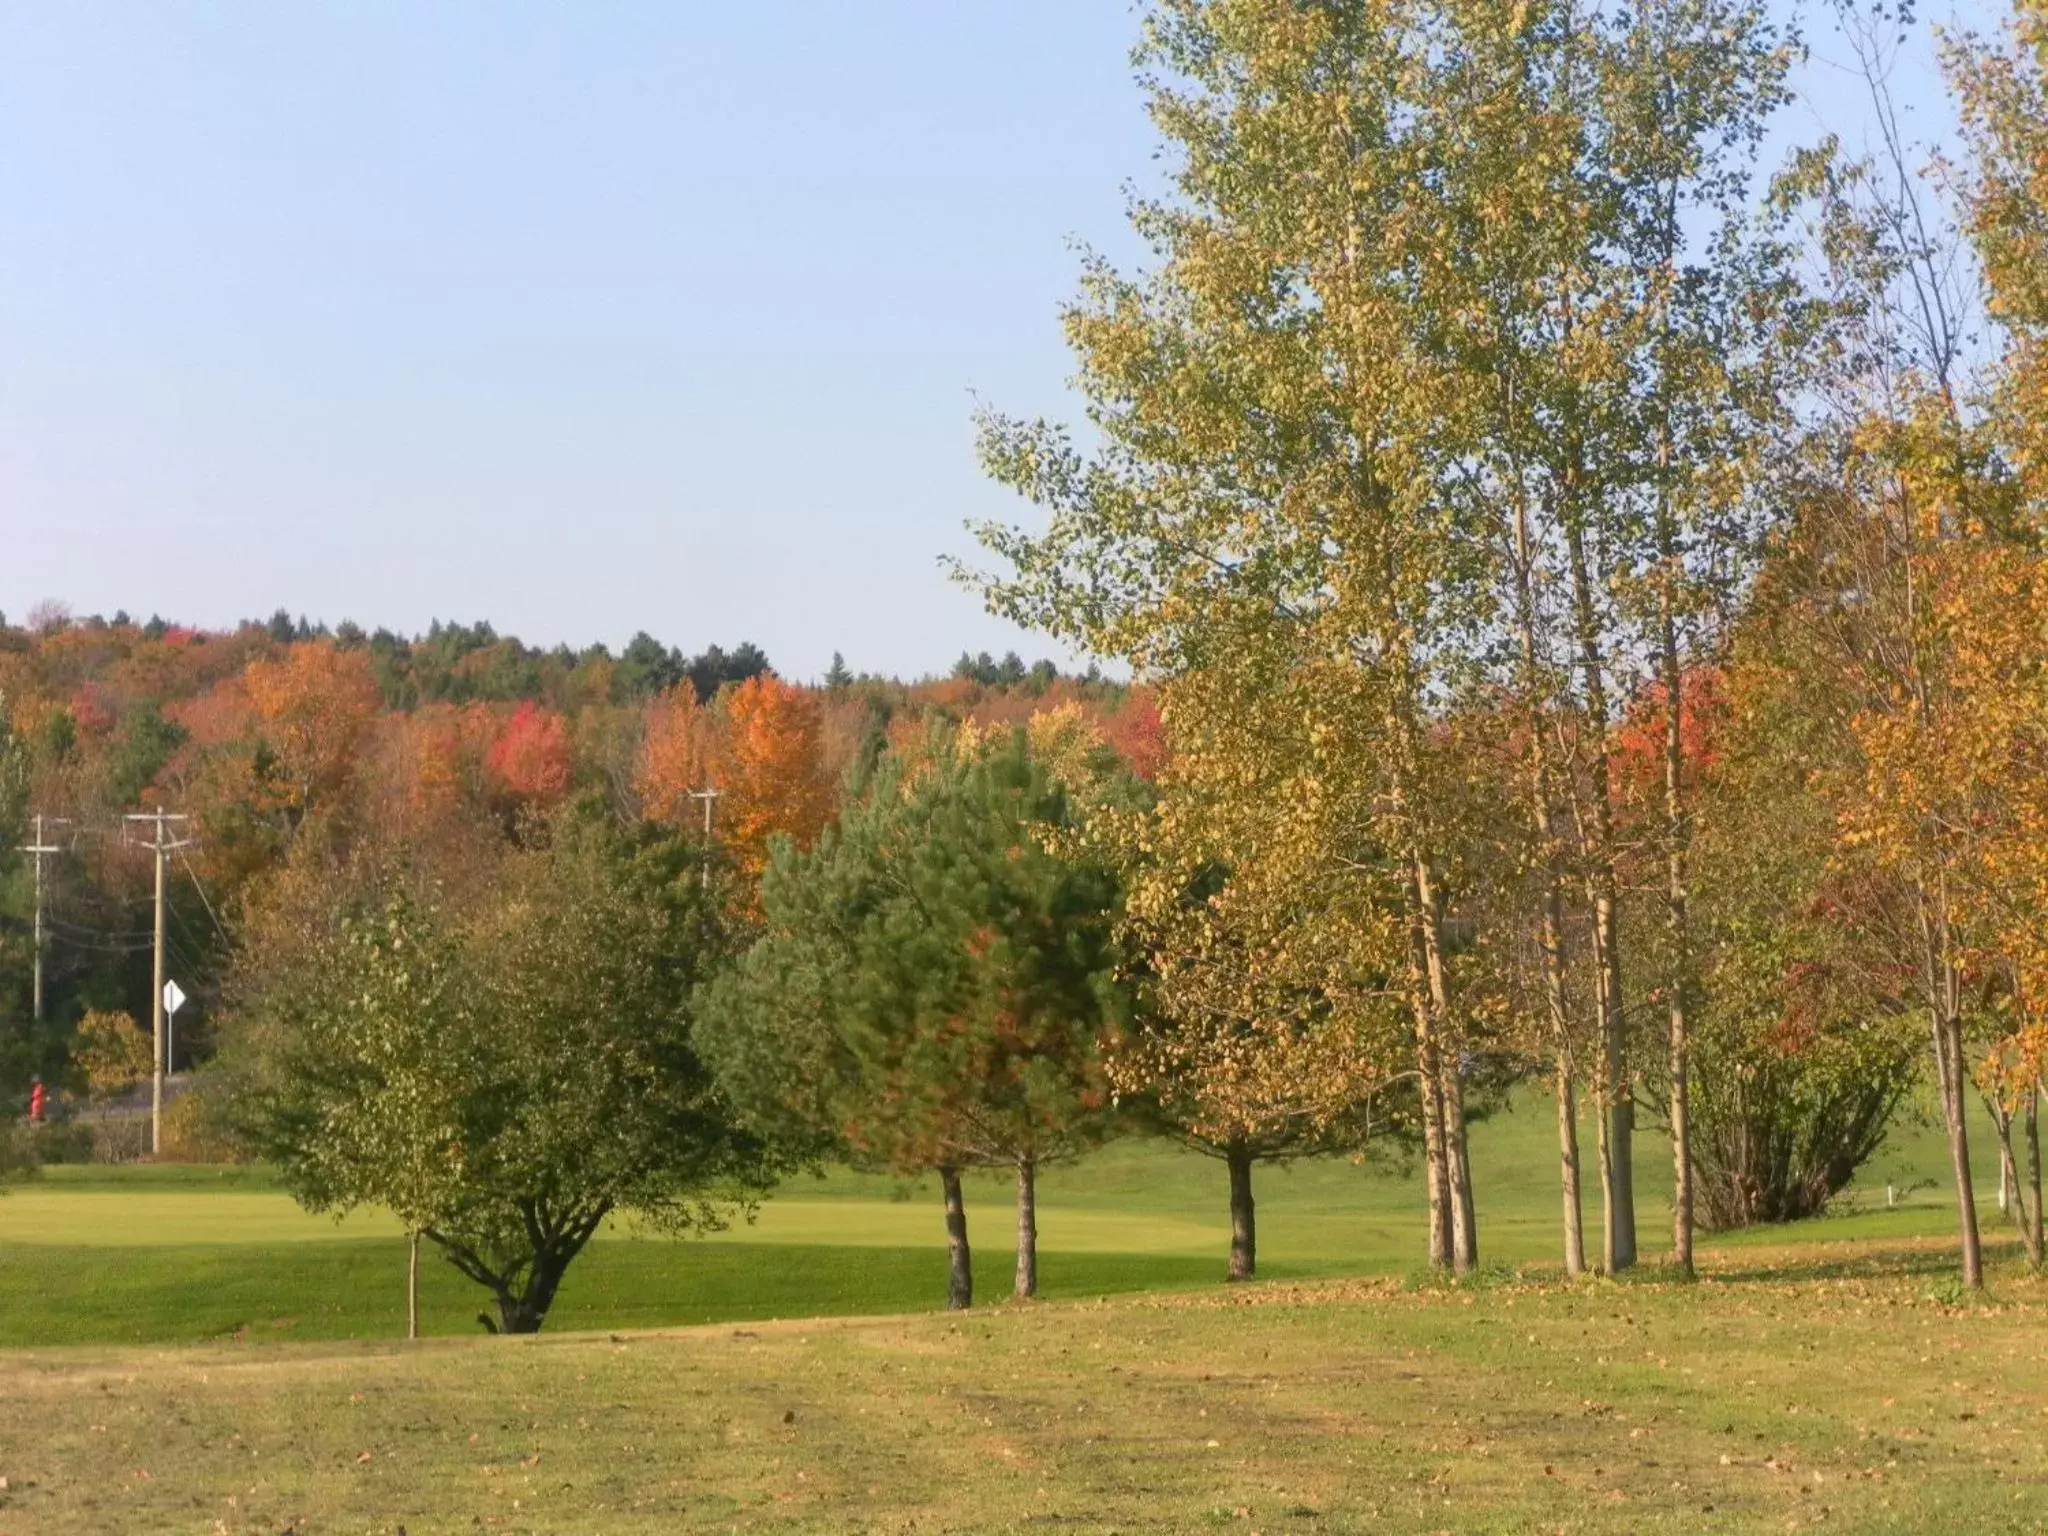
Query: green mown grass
[
  {"x": 355, "y": 1289},
  {"x": 173, "y": 1254}
]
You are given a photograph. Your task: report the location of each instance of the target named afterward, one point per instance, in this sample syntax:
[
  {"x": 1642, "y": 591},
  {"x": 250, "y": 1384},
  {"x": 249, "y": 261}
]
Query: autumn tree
[
  {"x": 1989, "y": 596},
  {"x": 675, "y": 753},
  {"x": 1874, "y": 672},
  {"x": 1903, "y": 492},
  {"x": 109, "y": 1053},
  {"x": 1135, "y": 730},
  {"x": 933, "y": 983},
  {"x": 1270, "y": 1023},
  {"x": 315, "y": 706},
  {"x": 530, "y": 760},
  {"x": 503, "y": 1070},
  {"x": 767, "y": 764},
  {"x": 1265, "y": 504},
  {"x": 435, "y": 763}
]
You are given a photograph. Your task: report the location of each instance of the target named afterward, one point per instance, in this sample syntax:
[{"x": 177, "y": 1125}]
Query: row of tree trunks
[
  {"x": 2022, "y": 1195},
  {"x": 1453, "y": 1220},
  {"x": 960, "y": 1259}
]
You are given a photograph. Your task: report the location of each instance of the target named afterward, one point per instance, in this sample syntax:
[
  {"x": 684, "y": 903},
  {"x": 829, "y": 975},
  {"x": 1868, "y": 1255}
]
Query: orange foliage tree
[
  {"x": 1137, "y": 733},
  {"x": 439, "y": 755},
  {"x": 674, "y": 755},
  {"x": 768, "y": 766},
  {"x": 315, "y": 706},
  {"x": 1970, "y": 772}
]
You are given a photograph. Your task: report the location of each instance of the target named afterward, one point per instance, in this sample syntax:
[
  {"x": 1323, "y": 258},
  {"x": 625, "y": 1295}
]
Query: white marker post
[{"x": 174, "y": 999}]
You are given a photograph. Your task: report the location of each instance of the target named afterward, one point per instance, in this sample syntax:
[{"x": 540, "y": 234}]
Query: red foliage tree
[
  {"x": 531, "y": 758},
  {"x": 1137, "y": 734}
]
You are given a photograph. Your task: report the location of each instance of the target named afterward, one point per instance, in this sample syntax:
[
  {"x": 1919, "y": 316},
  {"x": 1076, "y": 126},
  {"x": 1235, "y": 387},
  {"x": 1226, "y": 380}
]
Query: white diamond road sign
[{"x": 174, "y": 997}]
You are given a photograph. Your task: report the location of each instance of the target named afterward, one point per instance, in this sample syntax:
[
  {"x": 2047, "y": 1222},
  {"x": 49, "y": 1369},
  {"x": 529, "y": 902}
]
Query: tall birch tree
[
  {"x": 1269, "y": 414},
  {"x": 1422, "y": 367}
]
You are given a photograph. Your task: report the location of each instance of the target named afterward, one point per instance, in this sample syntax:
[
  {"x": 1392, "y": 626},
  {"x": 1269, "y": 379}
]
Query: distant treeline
[{"x": 282, "y": 729}]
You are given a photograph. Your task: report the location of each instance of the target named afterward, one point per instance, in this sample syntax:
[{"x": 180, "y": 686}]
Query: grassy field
[
  {"x": 1829, "y": 1387},
  {"x": 173, "y": 1254},
  {"x": 187, "y": 1351}
]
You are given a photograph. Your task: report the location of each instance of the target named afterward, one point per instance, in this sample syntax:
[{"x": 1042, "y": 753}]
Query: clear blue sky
[{"x": 579, "y": 318}]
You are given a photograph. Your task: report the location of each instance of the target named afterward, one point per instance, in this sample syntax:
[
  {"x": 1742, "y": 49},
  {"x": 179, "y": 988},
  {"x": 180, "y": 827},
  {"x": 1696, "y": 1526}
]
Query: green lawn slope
[{"x": 167, "y": 1254}]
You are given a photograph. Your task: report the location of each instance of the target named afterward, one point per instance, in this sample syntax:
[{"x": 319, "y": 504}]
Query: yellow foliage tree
[
  {"x": 1277, "y": 973},
  {"x": 110, "y": 1053}
]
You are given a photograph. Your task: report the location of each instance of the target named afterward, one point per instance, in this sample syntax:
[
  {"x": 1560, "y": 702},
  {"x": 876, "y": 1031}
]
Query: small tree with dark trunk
[
  {"x": 933, "y": 982},
  {"x": 1268, "y": 1028},
  {"x": 502, "y": 1073},
  {"x": 1248, "y": 1091}
]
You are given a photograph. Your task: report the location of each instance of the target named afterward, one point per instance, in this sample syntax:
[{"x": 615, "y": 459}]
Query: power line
[
  {"x": 183, "y": 955},
  {"x": 97, "y": 947},
  {"x": 200, "y": 886},
  {"x": 96, "y": 933}
]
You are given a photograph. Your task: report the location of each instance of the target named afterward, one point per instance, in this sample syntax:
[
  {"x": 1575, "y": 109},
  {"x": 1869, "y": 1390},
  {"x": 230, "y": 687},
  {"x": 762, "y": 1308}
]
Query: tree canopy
[
  {"x": 503, "y": 1067},
  {"x": 934, "y": 981}
]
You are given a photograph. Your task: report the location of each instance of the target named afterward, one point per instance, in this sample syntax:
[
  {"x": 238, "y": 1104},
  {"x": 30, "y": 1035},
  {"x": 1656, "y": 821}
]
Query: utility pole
[
  {"x": 162, "y": 846},
  {"x": 709, "y": 795},
  {"x": 41, "y": 848}
]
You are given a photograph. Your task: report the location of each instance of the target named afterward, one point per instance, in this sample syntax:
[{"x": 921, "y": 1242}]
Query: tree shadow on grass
[{"x": 1862, "y": 1261}]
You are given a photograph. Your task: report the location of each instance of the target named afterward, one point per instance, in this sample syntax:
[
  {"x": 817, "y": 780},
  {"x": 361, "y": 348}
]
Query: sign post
[{"x": 174, "y": 999}]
